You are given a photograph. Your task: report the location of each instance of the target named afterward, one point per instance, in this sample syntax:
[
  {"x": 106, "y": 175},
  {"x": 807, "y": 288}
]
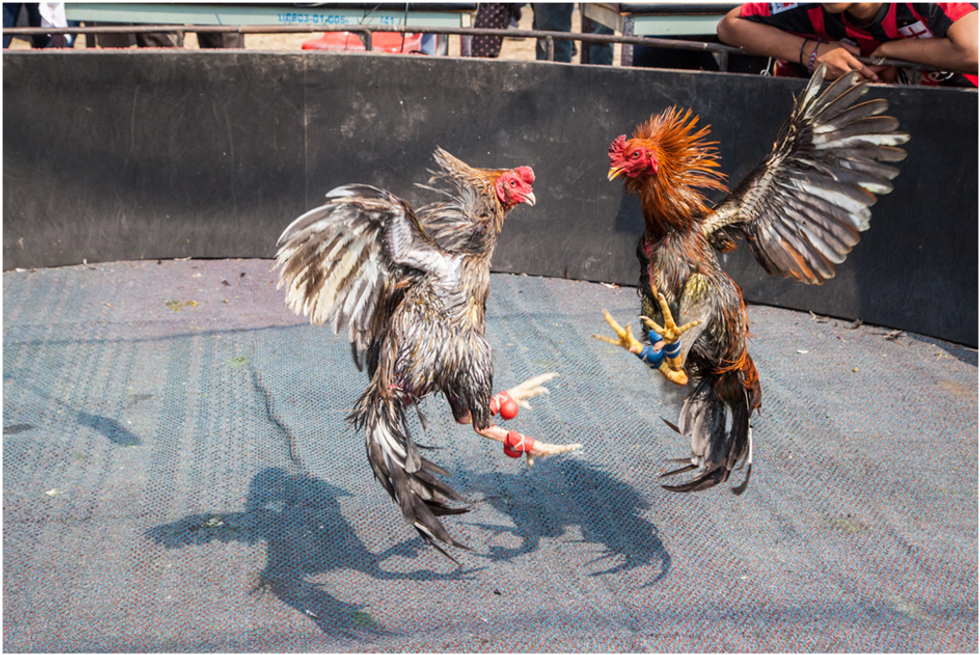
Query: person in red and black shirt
[{"x": 941, "y": 34}]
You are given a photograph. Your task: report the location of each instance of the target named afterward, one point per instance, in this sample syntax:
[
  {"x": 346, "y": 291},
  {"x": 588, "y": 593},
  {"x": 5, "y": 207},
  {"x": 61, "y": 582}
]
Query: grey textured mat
[{"x": 178, "y": 475}]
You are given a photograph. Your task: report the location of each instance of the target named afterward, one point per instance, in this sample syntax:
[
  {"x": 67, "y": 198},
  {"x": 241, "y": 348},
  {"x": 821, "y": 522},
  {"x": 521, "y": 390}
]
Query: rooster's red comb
[
  {"x": 525, "y": 173},
  {"x": 617, "y": 148}
]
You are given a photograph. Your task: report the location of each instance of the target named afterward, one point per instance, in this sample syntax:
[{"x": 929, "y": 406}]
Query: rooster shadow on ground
[
  {"x": 605, "y": 510},
  {"x": 113, "y": 430},
  {"x": 300, "y": 519}
]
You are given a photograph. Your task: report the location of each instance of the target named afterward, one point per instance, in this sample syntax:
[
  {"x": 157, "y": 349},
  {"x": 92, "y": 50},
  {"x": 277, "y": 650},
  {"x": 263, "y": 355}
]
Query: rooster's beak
[
  {"x": 614, "y": 173},
  {"x": 530, "y": 199}
]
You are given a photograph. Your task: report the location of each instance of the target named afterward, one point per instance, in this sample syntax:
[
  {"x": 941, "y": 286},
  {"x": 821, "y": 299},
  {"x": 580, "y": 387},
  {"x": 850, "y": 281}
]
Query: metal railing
[{"x": 720, "y": 50}]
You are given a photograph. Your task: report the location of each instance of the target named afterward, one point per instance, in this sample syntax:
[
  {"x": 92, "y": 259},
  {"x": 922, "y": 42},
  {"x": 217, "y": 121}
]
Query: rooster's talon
[
  {"x": 531, "y": 388},
  {"x": 670, "y": 331},
  {"x": 626, "y": 339},
  {"x": 541, "y": 449}
]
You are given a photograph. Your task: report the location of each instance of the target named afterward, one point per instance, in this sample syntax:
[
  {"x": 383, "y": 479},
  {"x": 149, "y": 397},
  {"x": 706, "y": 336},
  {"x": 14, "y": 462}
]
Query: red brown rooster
[
  {"x": 801, "y": 211},
  {"x": 410, "y": 288}
]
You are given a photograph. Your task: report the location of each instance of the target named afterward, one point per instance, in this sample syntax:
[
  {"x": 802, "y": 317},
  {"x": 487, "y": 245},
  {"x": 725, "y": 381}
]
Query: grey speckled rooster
[{"x": 411, "y": 288}]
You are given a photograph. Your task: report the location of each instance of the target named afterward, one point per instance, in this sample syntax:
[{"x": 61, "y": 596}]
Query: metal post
[
  {"x": 626, "y": 60},
  {"x": 585, "y": 46},
  {"x": 549, "y": 48}
]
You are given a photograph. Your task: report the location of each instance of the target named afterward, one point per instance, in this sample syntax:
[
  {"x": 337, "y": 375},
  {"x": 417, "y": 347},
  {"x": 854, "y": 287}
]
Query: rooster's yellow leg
[
  {"x": 670, "y": 333},
  {"x": 677, "y": 376},
  {"x": 625, "y": 339}
]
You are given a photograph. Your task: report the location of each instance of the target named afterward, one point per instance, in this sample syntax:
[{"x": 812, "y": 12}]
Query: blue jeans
[
  {"x": 553, "y": 17},
  {"x": 557, "y": 17}
]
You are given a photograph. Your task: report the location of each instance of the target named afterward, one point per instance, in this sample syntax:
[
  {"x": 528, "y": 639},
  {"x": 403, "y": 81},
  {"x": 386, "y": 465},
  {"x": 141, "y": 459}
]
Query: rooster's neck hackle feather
[
  {"x": 671, "y": 199},
  {"x": 474, "y": 197}
]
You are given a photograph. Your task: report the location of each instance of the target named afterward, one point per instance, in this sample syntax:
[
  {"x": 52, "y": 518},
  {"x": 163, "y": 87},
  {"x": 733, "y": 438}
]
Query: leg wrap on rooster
[
  {"x": 507, "y": 403},
  {"x": 801, "y": 211}
]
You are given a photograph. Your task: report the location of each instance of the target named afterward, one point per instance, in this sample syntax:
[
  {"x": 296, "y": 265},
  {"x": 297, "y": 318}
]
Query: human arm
[
  {"x": 957, "y": 51},
  {"x": 771, "y": 41}
]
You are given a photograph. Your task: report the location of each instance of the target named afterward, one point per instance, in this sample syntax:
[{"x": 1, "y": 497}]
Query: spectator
[
  {"x": 515, "y": 16},
  {"x": 11, "y": 12},
  {"x": 943, "y": 35},
  {"x": 220, "y": 40},
  {"x": 557, "y": 17},
  {"x": 164, "y": 39},
  {"x": 125, "y": 40},
  {"x": 490, "y": 15},
  {"x": 553, "y": 17}
]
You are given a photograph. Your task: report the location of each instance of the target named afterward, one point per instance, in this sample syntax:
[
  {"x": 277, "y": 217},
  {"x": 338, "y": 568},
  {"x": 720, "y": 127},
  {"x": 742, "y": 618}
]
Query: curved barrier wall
[{"x": 140, "y": 154}]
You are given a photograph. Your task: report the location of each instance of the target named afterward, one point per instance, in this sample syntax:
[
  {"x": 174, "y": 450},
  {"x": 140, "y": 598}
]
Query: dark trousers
[
  {"x": 11, "y": 11},
  {"x": 167, "y": 39},
  {"x": 557, "y": 17},
  {"x": 553, "y": 17}
]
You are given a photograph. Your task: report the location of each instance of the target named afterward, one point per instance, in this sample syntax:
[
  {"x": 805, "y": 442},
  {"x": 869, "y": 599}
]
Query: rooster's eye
[
  {"x": 513, "y": 182},
  {"x": 635, "y": 155}
]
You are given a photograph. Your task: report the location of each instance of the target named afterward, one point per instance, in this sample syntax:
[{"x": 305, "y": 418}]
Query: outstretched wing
[
  {"x": 803, "y": 207},
  {"x": 343, "y": 261}
]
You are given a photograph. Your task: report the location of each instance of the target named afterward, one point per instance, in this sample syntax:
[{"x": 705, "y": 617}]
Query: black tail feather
[
  {"x": 740, "y": 489},
  {"x": 409, "y": 478},
  {"x": 706, "y": 480},
  {"x": 715, "y": 450},
  {"x": 747, "y": 465},
  {"x": 683, "y": 469}
]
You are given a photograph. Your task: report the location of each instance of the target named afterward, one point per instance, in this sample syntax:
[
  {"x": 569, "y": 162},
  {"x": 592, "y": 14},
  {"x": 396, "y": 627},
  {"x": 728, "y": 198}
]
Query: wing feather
[
  {"x": 339, "y": 261},
  {"x": 853, "y": 113},
  {"x": 803, "y": 207}
]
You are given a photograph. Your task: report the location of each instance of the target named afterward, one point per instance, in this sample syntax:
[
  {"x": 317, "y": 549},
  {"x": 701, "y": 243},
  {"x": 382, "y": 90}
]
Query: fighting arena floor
[{"x": 178, "y": 475}]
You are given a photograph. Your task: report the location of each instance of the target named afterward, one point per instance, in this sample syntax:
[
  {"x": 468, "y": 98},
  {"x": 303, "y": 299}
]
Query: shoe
[{"x": 514, "y": 25}]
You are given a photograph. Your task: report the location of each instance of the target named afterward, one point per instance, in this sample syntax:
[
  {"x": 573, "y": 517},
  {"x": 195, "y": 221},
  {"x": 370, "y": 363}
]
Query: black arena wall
[{"x": 139, "y": 154}]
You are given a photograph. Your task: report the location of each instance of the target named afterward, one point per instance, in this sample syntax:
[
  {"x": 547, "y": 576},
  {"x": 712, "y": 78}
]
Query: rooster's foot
[
  {"x": 542, "y": 449},
  {"x": 531, "y": 388},
  {"x": 506, "y": 402},
  {"x": 517, "y": 444},
  {"x": 625, "y": 338},
  {"x": 670, "y": 332},
  {"x": 678, "y": 377}
]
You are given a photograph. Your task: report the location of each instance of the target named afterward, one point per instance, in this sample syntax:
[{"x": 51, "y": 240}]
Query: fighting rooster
[
  {"x": 411, "y": 288},
  {"x": 801, "y": 211}
]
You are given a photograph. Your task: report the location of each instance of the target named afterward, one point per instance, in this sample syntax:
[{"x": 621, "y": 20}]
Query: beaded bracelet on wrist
[{"x": 813, "y": 56}]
